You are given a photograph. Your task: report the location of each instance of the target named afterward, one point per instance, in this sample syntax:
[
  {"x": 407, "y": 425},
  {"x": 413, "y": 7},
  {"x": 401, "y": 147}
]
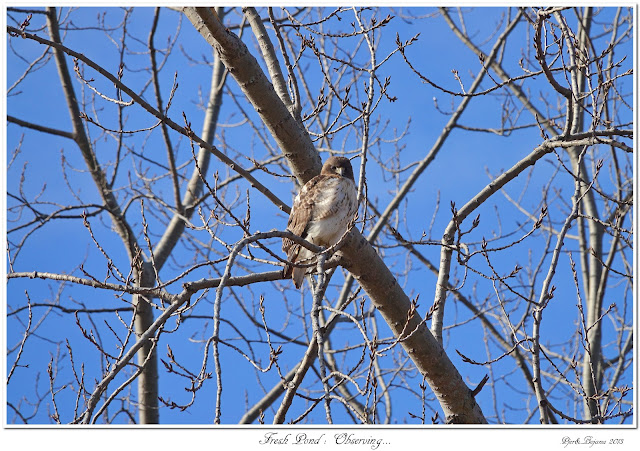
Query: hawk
[{"x": 321, "y": 213}]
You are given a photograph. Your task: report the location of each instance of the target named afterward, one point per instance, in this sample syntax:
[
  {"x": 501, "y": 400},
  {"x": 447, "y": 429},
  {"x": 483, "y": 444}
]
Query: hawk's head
[{"x": 338, "y": 166}]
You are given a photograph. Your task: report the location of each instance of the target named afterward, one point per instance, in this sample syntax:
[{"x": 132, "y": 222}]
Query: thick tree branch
[
  {"x": 140, "y": 101},
  {"x": 291, "y": 136},
  {"x": 364, "y": 262},
  {"x": 82, "y": 140}
]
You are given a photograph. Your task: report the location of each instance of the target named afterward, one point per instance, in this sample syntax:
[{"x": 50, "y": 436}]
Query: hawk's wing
[{"x": 302, "y": 214}]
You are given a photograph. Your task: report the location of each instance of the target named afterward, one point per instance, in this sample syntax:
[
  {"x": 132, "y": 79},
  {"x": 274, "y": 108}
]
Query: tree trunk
[{"x": 365, "y": 264}]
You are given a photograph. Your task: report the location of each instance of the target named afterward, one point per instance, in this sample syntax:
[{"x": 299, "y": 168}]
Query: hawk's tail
[{"x": 298, "y": 276}]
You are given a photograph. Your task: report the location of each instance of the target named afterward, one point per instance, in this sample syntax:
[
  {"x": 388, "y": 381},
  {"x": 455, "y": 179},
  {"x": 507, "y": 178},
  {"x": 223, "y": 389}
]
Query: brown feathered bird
[{"x": 321, "y": 213}]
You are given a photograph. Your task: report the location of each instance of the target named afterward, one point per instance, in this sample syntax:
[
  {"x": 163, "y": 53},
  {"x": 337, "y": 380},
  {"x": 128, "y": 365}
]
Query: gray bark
[{"x": 363, "y": 262}]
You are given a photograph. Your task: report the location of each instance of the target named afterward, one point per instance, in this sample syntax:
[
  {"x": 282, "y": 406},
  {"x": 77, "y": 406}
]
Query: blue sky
[{"x": 458, "y": 173}]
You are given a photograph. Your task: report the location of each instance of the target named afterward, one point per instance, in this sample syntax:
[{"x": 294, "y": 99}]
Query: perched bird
[{"x": 321, "y": 213}]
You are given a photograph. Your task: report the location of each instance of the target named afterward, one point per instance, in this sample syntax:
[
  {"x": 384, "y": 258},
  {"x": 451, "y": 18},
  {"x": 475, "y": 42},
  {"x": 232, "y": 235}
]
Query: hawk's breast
[{"x": 332, "y": 211}]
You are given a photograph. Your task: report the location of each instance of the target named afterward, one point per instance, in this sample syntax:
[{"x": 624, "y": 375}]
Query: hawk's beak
[{"x": 340, "y": 171}]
